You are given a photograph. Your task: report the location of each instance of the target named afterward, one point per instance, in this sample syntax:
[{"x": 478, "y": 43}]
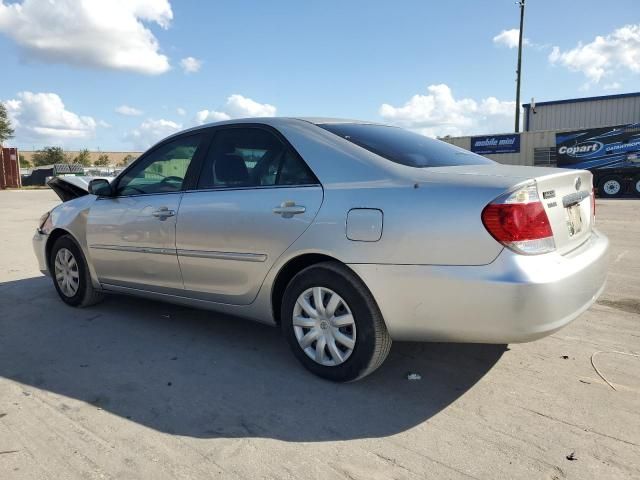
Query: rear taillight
[{"x": 518, "y": 221}]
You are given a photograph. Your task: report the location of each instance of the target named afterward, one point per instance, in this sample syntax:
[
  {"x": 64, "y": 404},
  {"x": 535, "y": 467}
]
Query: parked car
[{"x": 345, "y": 234}]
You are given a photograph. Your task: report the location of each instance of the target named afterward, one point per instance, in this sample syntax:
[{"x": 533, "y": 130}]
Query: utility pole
[{"x": 519, "y": 70}]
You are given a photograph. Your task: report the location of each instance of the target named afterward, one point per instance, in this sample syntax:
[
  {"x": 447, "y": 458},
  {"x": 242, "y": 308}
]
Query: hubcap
[
  {"x": 66, "y": 271},
  {"x": 324, "y": 326},
  {"x": 638, "y": 186},
  {"x": 612, "y": 187}
]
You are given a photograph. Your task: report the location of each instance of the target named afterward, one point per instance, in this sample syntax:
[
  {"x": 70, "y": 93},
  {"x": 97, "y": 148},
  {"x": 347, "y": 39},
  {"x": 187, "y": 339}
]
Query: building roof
[{"x": 585, "y": 99}]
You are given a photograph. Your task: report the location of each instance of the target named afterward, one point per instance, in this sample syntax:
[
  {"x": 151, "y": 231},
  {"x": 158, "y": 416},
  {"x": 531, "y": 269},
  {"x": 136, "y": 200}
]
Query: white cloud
[
  {"x": 604, "y": 56},
  {"x": 206, "y": 116},
  {"x": 236, "y": 106},
  {"x": 181, "y": 111},
  {"x": 151, "y": 131},
  {"x": 509, "y": 38},
  {"x": 43, "y": 117},
  {"x": 612, "y": 86},
  {"x": 90, "y": 33},
  {"x": 438, "y": 113},
  {"x": 190, "y": 64},
  {"x": 128, "y": 111}
]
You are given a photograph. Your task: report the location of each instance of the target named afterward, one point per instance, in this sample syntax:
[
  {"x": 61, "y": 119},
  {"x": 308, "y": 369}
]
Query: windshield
[{"x": 405, "y": 147}]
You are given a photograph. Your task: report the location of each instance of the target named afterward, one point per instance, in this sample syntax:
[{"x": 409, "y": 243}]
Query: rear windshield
[{"x": 405, "y": 147}]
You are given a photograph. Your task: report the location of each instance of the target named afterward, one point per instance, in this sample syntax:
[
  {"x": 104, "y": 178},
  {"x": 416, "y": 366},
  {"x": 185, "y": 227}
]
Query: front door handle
[
  {"x": 163, "y": 212},
  {"x": 288, "y": 209}
]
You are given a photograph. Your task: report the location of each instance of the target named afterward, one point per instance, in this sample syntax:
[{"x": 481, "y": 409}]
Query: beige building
[{"x": 544, "y": 121}]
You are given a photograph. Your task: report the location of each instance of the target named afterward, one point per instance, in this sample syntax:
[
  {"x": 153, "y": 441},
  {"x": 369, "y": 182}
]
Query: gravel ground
[{"x": 134, "y": 389}]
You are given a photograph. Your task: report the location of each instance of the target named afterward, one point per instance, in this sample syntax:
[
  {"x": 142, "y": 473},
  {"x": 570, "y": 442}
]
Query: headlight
[{"x": 44, "y": 225}]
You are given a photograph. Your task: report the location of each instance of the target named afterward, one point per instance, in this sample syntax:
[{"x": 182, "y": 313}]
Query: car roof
[
  {"x": 333, "y": 121},
  {"x": 272, "y": 121}
]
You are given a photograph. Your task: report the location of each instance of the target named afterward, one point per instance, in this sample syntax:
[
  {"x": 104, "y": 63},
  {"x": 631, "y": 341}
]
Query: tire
[
  {"x": 367, "y": 331},
  {"x": 73, "y": 267},
  {"x": 611, "y": 186},
  {"x": 635, "y": 186}
]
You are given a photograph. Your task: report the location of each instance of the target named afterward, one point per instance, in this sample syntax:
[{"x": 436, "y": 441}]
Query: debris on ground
[
  {"x": 600, "y": 374},
  {"x": 572, "y": 457},
  {"x": 565, "y": 357},
  {"x": 414, "y": 376}
]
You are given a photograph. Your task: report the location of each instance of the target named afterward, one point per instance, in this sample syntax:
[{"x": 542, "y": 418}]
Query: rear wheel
[
  {"x": 70, "y": 274},
  {"x": 333, "y": 324},
  {"x": 611, "y": 186},
  {"x": 635, "y": 184}
]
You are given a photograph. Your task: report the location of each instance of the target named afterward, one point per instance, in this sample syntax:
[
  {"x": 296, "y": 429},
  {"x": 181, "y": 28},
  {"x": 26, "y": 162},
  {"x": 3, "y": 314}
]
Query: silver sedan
[{"x": 345, "y": 234}]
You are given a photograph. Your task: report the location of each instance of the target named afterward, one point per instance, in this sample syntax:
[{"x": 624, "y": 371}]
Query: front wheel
[
  {"x": 70, "y": 274},
  {"x": 611, "y": 186},
  {"x": 333, "y": 324}
]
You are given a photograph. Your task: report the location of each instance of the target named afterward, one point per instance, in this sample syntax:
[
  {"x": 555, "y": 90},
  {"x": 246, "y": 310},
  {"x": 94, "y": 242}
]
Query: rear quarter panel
[{"x": 429, "y": 223}]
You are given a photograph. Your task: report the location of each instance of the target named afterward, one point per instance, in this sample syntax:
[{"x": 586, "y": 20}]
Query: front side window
[
  {"x": 405, "y": 147},
  {"x": 251, "y": 157},
  {"x": 161, "y": 171}
]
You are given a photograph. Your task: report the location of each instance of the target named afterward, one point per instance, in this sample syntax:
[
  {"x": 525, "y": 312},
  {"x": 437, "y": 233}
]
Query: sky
[{"x": 119, "y": 75}]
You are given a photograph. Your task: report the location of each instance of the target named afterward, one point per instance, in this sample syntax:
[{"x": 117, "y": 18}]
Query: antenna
[{"x": 533, "y": 105}]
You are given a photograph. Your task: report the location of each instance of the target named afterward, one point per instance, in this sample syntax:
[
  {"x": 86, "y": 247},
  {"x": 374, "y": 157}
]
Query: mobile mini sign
[{"x": 496, "y": 144}]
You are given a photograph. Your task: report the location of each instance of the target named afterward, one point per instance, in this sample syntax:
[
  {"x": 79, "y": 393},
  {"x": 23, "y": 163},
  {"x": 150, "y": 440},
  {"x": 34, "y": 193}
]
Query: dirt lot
[{"x": 134, "y": 389}]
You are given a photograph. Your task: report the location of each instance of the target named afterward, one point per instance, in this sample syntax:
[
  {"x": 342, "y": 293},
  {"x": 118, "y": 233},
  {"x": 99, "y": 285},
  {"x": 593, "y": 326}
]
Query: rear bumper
[
  {"x": 514, "y": 299},
  {"x": 39, "y": 242}
]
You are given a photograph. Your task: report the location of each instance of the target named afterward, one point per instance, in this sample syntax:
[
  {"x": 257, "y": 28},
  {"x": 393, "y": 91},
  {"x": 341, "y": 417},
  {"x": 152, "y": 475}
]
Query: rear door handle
[
  {"x": 163, "y": 212},
  {"x": 288, "y": 209}
]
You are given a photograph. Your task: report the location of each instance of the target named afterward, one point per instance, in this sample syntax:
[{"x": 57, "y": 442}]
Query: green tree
[
  {"x": 6, "y": 131},
  {"x": 24, "y": 163},
  {"x": 126, "y": 160},
  {"x": 49, "y": 156},
  {"x": 103, "y": 160},
  {"x": 83, "y": 157}
]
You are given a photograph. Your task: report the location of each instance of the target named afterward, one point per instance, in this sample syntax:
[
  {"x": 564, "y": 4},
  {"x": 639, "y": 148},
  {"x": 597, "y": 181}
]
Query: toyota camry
[{"x": 345, "y": 234}]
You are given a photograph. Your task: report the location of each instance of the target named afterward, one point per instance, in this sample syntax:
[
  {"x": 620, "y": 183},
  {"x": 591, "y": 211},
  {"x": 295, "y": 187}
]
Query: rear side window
[
  {"x": 405, "y": 147},
  {"x": 252, "y": 157}
]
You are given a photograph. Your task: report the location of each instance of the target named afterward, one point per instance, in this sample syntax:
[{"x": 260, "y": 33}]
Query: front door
[
  {"x": 255, "y": 197},
  {"x": 131, "y": 236}
]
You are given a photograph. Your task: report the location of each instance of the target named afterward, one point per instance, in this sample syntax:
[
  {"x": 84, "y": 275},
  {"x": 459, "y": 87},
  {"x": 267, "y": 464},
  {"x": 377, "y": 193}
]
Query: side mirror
[{"x": 100, "y": 187}]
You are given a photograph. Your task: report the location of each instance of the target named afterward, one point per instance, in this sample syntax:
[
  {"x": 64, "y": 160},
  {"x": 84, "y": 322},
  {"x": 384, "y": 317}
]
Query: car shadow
[{"x": 201, "y": 374}]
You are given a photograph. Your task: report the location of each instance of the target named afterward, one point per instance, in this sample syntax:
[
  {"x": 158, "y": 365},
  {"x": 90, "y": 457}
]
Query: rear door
[
  {"x": 131, "y": 236},
  {"x": 254, "y": 198}
]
